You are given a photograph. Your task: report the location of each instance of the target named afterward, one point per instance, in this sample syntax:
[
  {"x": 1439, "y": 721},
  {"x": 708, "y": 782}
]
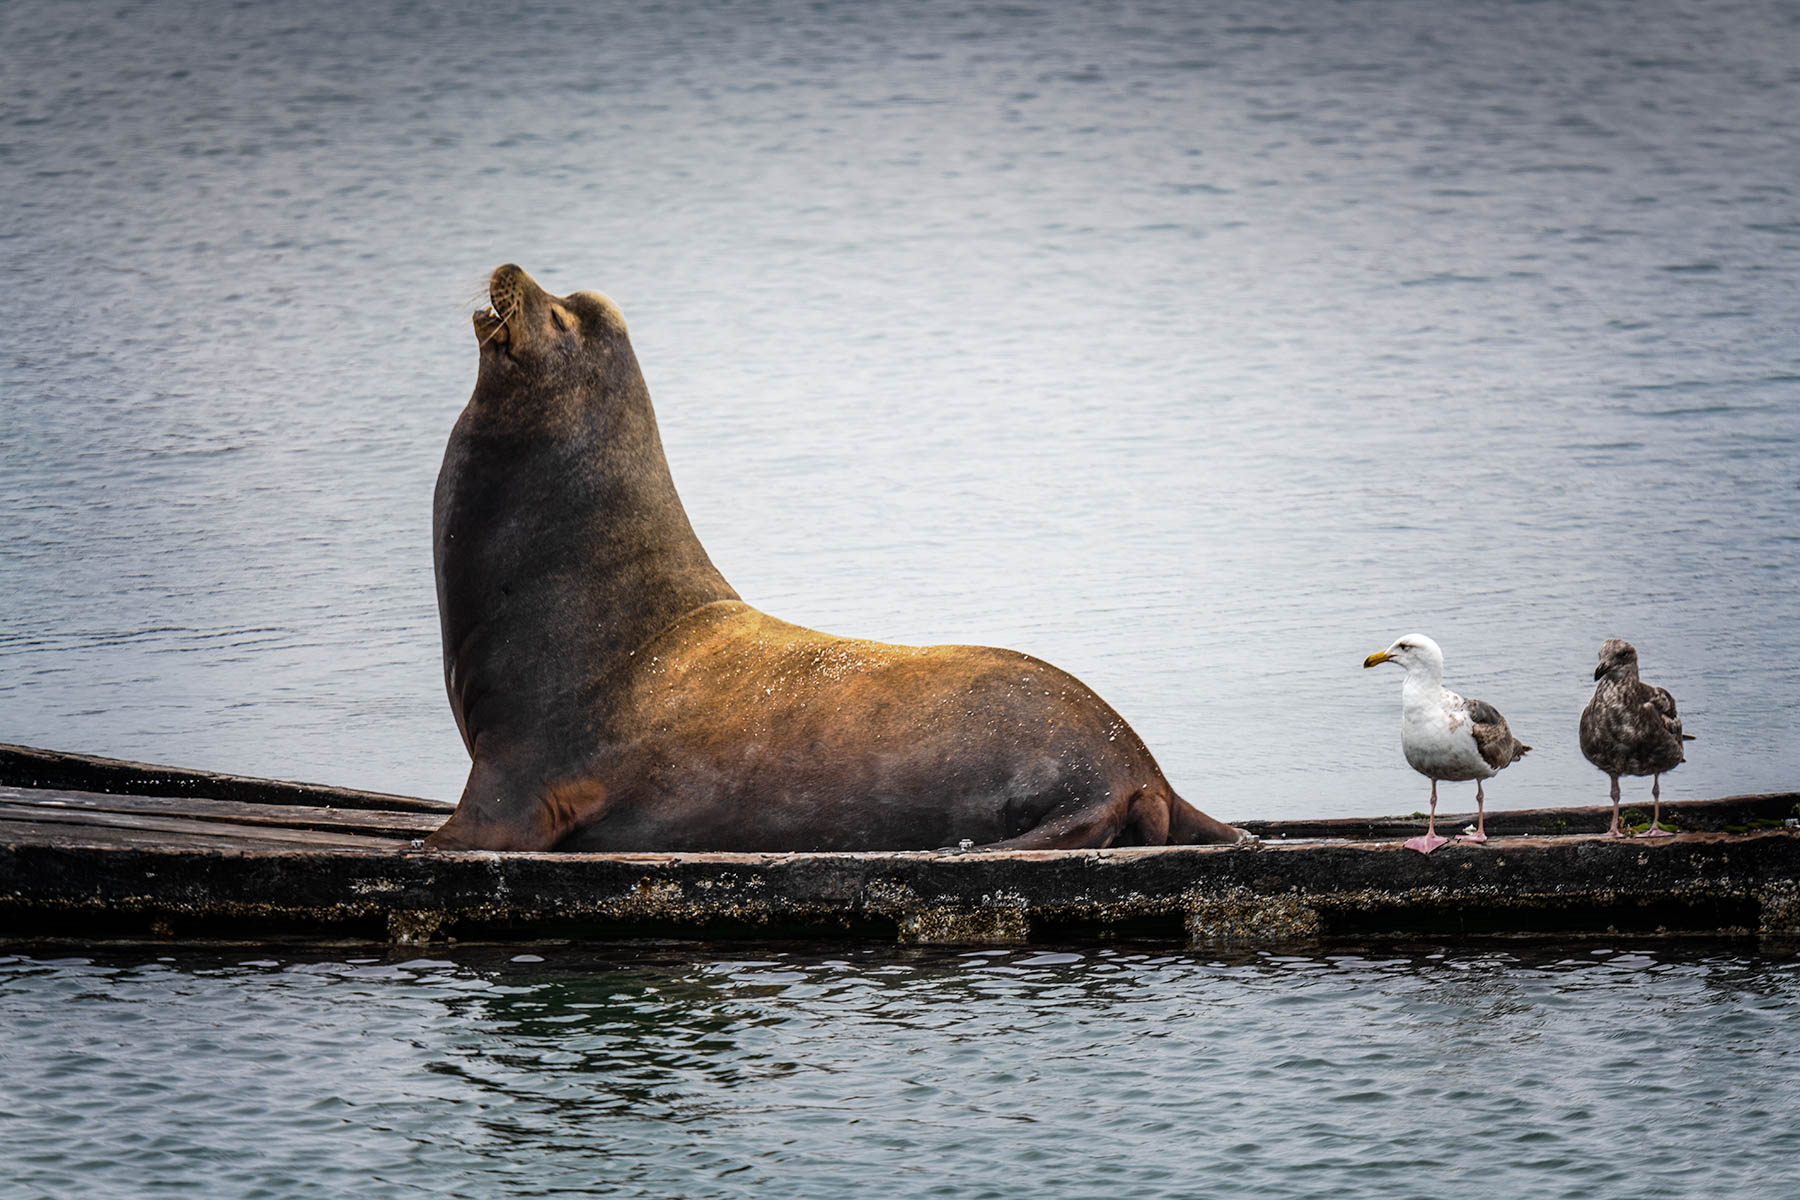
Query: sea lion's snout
[
  {"x": 505, "y": 323},
  {"x": 506, "y": 289}
]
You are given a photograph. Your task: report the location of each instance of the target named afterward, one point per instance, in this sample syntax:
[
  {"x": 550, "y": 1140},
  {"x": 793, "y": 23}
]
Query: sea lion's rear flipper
[
  {"x": 1153, "y": 816},
  {"x": 1089, "y": 829},
  {"x": 1095, "y": 823},
  {"x": 1189, "y": 826}
]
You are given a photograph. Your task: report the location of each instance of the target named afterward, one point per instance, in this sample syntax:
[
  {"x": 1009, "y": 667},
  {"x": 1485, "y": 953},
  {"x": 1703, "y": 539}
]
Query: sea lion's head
[{"x": 530, "y": 339}]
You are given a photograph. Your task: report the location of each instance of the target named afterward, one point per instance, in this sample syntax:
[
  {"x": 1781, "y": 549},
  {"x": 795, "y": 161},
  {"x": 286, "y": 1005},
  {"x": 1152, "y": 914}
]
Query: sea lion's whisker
[
  {"x": 482, "y": 290},
  {"x": 501, "y": 323}
]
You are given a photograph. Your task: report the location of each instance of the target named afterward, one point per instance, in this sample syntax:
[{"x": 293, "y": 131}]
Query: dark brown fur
[{"x": 616, "y": 694}]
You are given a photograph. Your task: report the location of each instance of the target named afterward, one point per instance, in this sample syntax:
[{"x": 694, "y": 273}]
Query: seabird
[
  {"x": 1444, "y": 736},
  {"x": 1630, "y": 728}
]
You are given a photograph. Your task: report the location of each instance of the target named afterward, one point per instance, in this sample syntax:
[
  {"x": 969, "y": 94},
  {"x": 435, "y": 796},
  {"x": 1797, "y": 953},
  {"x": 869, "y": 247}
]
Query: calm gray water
[
  {"x": 1588, "y": 1070},
  {"x": 1200, "y": 349}
]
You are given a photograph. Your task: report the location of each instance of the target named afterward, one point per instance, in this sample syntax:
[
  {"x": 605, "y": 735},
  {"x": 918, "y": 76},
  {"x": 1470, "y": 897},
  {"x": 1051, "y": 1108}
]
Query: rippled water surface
[
  {"x": 1584, "y": 1070},
  {"x": 1201, "y": 351}
]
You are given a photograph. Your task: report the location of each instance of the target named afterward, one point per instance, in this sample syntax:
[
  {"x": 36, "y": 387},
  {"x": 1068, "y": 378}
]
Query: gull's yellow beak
[{"x": 1380, "y": 656}]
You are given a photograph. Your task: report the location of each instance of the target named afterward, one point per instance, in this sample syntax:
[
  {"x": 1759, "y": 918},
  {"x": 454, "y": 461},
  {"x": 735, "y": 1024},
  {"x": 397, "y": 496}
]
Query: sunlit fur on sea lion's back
[{"x": 616, "y": 694}]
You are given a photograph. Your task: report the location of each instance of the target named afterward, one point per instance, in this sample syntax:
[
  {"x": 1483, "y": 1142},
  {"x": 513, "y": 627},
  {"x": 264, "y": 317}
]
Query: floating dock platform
[{"x": 94, "y": 848}]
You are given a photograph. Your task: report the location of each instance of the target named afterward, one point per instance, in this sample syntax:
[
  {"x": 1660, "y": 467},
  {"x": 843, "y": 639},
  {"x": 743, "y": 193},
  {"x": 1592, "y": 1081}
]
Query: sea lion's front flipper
[{"x": 496, "y": 814}]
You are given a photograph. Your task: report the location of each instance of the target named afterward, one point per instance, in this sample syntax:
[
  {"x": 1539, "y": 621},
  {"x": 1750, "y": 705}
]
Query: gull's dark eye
[{"x": 562, "y": 324}]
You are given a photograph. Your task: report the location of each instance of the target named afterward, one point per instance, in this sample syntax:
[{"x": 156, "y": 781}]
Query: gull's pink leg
[
  {"x": 1615, "y": 831},
  {"x": 1656, "y": 813},
  {"x": 1431, "y": 841},
  {"x": 1480, "y": 834}
]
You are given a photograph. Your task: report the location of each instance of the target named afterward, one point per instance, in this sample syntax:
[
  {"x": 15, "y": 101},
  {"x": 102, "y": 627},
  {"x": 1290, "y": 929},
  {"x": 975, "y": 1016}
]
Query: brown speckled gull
[{"x": 1631, "y": 728}]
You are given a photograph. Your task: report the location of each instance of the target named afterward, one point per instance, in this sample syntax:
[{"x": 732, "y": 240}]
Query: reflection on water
[
  {"x": 1199, "y": 355},
  {"x": 1493, "y": 1069}
]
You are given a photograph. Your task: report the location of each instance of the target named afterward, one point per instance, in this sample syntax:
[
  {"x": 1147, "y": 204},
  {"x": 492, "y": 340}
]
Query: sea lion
[{"x": 616, "y": 694}]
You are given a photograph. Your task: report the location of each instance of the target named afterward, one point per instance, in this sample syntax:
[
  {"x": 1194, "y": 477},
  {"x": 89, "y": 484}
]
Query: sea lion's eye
[{"x": 562, "y": 324}]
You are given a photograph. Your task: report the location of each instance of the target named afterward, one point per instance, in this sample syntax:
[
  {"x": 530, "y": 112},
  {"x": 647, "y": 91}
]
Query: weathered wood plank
[
  {"x": 99, "y": 843},
  {"x": 249, "y": 835},
  {"x": 30, "y": 767},
  {"x": 370, "y": 821}
]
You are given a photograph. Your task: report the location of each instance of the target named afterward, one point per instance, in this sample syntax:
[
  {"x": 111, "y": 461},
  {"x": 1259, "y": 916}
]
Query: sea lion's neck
[
  {"x": 643, "y": 555},
  {"x": 563, "y": 528}
]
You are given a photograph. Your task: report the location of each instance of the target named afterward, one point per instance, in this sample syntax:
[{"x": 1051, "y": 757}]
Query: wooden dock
[{"x": 94, "y": 848}]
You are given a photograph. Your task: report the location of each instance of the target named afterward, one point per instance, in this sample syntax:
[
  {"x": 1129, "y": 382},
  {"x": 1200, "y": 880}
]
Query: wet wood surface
[{"x": 281, "y": 822}]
